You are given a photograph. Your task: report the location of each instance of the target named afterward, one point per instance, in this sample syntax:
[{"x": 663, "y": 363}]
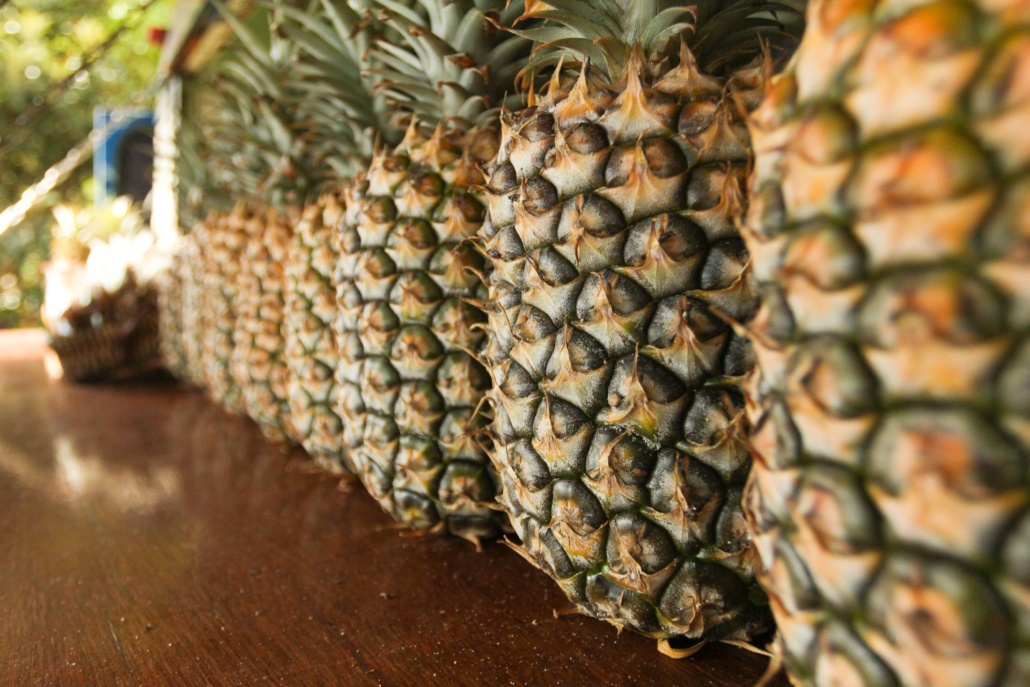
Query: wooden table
[{"x": 148, "y": 538}]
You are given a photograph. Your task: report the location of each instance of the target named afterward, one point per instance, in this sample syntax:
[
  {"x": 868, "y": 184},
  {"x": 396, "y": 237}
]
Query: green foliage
[
  {"x": 722, "y": 34},
  {"x": 242, "y": 135},
  {"x": 41, "y": 43},
  {"x": 450, "y": 63}
]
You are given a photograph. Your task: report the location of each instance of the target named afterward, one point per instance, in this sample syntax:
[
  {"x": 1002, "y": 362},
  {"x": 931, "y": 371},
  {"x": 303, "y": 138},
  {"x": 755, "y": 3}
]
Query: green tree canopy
[{"x": 42, "y": 43}]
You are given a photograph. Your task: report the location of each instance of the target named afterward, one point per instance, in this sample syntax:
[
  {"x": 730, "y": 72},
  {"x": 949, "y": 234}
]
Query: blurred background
[{"x": 68, "y": 65}]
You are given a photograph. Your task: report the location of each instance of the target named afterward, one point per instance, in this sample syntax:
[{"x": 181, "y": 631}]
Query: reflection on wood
[{"x": 151, "y": 539}]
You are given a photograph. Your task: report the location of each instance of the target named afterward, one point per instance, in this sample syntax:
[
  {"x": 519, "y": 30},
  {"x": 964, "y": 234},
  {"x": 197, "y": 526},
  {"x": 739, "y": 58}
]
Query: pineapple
[
  {"x": 890, "y": 495},
  {"x": 309, "y": 345},
  {"x": 262, "y": 156},
  {"x": 222, "y": 252},
  {"x": 410, "y": 384},
  {"x": 169, "y": 284},
  {"x": 338, "y": 107},
  {"x": 194, "y": 314},
  {"x": 618, "y": 429},
  {"x": 256, "y": 363}
]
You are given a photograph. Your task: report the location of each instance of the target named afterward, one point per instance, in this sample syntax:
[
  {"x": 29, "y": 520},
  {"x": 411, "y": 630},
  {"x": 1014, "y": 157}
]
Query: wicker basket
[{"x": 114, "y": 342}]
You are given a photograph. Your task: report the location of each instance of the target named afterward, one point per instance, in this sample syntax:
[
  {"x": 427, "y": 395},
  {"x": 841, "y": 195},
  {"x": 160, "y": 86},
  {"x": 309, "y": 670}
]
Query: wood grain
[{"x": 149, "y": 538}]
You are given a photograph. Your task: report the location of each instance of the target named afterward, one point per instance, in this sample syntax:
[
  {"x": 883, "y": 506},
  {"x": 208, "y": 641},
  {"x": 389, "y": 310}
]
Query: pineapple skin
[
  {"x": 310, "y": 346},
  {"x": 889, "y": 230},
  {"x": 194, "y": 313},
  {"x": 168, "y": 284},
  {"x": 222, "y": 248},
  {"x": 618, "y": 430},
  {"x": 257, "y": 362},
  {"x": 408, "y": 381}
]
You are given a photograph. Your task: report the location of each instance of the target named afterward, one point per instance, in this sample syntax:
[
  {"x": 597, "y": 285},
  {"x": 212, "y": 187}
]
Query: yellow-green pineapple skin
[
  {"x": 310, "y": 347},
  {"x": 411, "y": 388},
  {"x": 258, "y": 363},
  {"x": 224, "y": 243},
  {"x": 195, "y": 320},
  {"x": 410, "y": 382},
  {"x": 169, "y": 285},
  {"x": 890, "y": 239},
  {"x": 619, "y": 429}
]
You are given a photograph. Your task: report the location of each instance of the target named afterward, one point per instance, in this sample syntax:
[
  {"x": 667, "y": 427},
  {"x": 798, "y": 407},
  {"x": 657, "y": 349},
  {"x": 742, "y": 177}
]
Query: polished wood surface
[{"x": 149, "y": 538}]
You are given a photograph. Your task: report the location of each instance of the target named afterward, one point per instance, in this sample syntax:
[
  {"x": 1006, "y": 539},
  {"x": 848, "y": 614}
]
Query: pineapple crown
[
  {"x": 724, "y": 34},
  {"x": 336, "y": 99},
  {"x": 451, "y": 66},
  {"x": 260, "y": 149}
]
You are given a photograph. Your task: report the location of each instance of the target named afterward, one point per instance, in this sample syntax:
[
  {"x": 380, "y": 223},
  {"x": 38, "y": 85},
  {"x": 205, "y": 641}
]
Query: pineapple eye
[
  {"x": 658, "y": 383},
  {"x": 585, "y": 352},
  {"x": 379, "y": 210},
  {"x": 564, "y": 418},
  {"x": 380, "y": 375},
  {"x": 506, "y": 245},
  {"x": 533, "y": 325},
  {"x": 503, "y": 179},
  {"x": 484, "y": 147},
  {"x": 625, "y": 295},
  {"x": 675, "y": 314},
  {"x": 828, "y": 255},
  {"x": 678, "y": 237},
  {"x": 681, "y": 240},
  {"x": 419, "y": 286},
  {"x": 697, "y": 116},
  {"x": 627, "y": 453},
  {"x": 706, "y": 186},
  {"x": 638, "y": 543},
  {"x": 379, "y": 317},
  {"x": 419, "y": 234},
  {"x": 538, "y": 127},
  {"x": 724, "y": 265},
  {"x": 768, "y": 206},
  {"x": 378, "y": 264},
  {"x": 577, "y": 507},
  {"x": 586, "y": 137},
  {"x": 740, "y": 356},
  {"x": 530, "y": 469},
  {"x": 517, "y": 382},
  {"x": 826, "y": 135},
  {"x": 601, "y": 217},
  {"x": 394, "y": 163},
  {"x": 350, "y": 240},
  {"x": 427, "y": 184},
  {"x": 552, "y": 267},
  {"x": 540, "y": 196},
  {"x": 664, "y": 160},
  {"x": 464, "y": 206},
  {"x": 713, "y": 410},
  {"x": 351, "y": 296}
]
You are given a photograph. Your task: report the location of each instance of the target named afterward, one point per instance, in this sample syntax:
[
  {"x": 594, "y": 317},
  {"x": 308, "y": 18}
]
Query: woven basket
[{"x": 119, "y": 349}]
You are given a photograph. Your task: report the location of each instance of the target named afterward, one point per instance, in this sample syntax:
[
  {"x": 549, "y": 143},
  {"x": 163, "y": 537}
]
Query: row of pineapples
[{"x": 589, "y": 271}]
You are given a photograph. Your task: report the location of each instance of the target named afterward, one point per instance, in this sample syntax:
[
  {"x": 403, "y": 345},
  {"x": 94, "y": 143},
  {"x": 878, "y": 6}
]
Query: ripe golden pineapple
[
  {"x": 409, "y": 381},
  {"x": 222, "y": 250},
  {"x": 257, "y": 360},
  {"x": 336, "y": 102},
  {"x": 619, "y": 431},
  {"x": 257, "y": 153},
  {"x": 309, "y": 345},
  {"x": 194, "y": 314},
  {"x": 889, "y": 225},
  {"x": 169, "y": 285}
]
